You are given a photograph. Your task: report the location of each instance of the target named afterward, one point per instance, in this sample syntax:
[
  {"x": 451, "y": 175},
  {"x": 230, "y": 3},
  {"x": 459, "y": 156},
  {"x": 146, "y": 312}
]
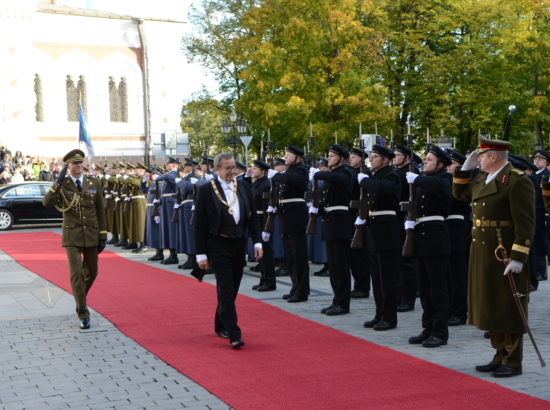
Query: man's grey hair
[
  {"x": 502, "y": 155},
  {"x": 218, "y": 158}
]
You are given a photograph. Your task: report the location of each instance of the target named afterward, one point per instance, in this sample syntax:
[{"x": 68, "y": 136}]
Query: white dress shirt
[{"x": 81, "y": 180}]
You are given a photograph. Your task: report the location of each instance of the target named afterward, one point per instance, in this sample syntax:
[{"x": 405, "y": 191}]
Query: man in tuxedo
[{"x": 224, "y": 211}]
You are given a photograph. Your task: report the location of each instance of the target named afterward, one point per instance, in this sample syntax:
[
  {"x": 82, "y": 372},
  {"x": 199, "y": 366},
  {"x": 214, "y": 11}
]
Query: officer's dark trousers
[
  {"x": 509, "y": 348},
  {"x": 434, "y": 294},
  {"x": 384, "y": 285},
  {"x": 267, "y": 264},
  {"x": 295, "y": 245},
  {"x": 459, "y": 285},
  {"x": 338, "y": 255},
  {"x": 83, "y": 271},
  {"x": 360, "y": 267},
  {"x": 227, "y": 258},
  {"x": 408, "y": 280}
]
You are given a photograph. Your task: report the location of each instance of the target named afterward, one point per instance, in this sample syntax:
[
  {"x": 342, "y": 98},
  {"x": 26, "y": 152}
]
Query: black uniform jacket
[
  {"x": 458, "y": 228},
  {"x": 337, "y": 188},
  {"x": 260, "y": 186},
  {"x": 433, "y": 197},
  {"x": 383, "y": 193},
  {"x": 293, "y": 217},
  {"x": 208, "y": 212}
]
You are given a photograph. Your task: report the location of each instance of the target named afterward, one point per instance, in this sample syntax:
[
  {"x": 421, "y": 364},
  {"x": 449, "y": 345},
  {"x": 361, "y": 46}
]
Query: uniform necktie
[{"x": 78, "y": 185}]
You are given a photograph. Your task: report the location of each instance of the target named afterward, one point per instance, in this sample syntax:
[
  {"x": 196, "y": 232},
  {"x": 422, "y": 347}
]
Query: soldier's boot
[
  {"x": 141, "y": 248},
  {"x": 172, "y": 259},
  {"x": 121, "y": 243},
  {"x": 113, "y": 240},
  {"x": 131, "y": 245},
  {"x": 159, "y": 256}
]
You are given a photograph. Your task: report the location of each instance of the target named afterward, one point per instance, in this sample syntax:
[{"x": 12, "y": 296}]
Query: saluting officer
[
  {"x": 384, "y": 239},
  {"x": 503, "y": 213},
  {"x": 337, "y": 227},
  {"x": 80, "y": 198},
  {"x": 293, "y": 219},
  {"x": 432, "y": 246}
]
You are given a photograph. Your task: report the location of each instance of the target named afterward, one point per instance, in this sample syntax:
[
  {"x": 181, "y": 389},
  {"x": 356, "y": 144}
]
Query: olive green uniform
[
  {"x": 83, "y": 228},
  {"x": 137, "y": 213},
  {"x": 505, "y": 208}
]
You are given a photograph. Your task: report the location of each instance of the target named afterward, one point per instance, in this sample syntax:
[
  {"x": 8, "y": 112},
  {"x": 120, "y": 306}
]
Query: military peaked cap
[
  {"x": 295, "y": 150},
  {"x": 492, "y": 145},
  {"x": 457, "y": 156},
  {"x": 240, "y": 165},
  {"x": 279, "y": 161},
  {"x": 261, "y": 164},
  {"x": 540, "y": 154},
  {"x": 207, "y": 160},
  {"x": 384, "y": 151},
  {"x": 323, "y": 162},
  {"x": 440, "y": 155},
  {"x": 76, "y": 155},
  {"x": 357, "y": 151},
  {"x": 402, "y": 149},
  {"x": 172, "y": 160},
  {"x": 339, "y": 150}
]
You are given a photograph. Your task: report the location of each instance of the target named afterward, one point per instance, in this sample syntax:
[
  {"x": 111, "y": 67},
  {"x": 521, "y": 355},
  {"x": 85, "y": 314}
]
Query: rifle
[
  {"x": 408, "y": 246},
  {"x": 119, "y": 195},
  {"x": 179, "y": 199},
  {"x": 357, "y": 241},
  {"x": 109, "y": 191},
  {"x": 272, "y": 194},
  {"x": 127, "y": 193},
  {"x": 312, "y": 223},
  {"x": 195, "y": 193},
  {"x": 156, "y": 205}
]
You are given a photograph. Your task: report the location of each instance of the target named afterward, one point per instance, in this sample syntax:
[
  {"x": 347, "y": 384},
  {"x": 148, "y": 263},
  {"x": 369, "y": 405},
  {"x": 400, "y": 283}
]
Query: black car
[{"x": 21, "y": 203}]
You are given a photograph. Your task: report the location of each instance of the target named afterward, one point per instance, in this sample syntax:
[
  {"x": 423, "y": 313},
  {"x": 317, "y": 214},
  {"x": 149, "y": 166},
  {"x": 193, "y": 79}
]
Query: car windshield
[{"x": 31, "y": 190}]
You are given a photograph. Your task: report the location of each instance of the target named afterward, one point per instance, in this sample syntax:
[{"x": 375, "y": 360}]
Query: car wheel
[{"x": 6, "y": 219}]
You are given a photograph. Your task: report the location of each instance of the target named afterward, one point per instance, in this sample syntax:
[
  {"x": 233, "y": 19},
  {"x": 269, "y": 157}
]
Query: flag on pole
[{"x": 83, "y": 135}]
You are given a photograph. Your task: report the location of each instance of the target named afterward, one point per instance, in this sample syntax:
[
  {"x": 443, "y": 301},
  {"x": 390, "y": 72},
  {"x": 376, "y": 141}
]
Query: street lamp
[{"x": 229, "y": 127}]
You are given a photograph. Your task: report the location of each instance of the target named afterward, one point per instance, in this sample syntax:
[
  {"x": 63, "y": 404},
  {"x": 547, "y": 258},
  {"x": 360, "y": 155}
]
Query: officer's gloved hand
[
  {"x": 193, "y": 180},
  {"x": 157, "y": 219},
  {"x": 471, "y": 162},
  {"x": 359, "y": 221},
  {"x": 361, "y": 176},
  {"x": 62, "y": 174},
  {"x": 411, "y": 176},
  {"x": 410, "y": 224},
  {"x": 265, "y": 236},
  {"x": 208, "y": 177},
  {"x": 514, "y": 267},
  {"x": 101, "y": 246},
  {"x": 271, "y": 209},
  {"x": 312, "y": 172},
  {"x": 313, "y": 210},
  {"x": 271, "y": 173}
]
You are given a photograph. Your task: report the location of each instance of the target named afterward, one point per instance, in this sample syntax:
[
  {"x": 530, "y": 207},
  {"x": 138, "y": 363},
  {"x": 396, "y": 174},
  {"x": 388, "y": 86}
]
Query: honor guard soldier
[
  {"x": 138, "y": 205},
  {"x": 111, "y": 194},
  {"x": 119, "y": 206},
  {"x": 189, "y": 180},
  {"x": 293, "y": 219},
  {"x": 278, "y": 248},
  {"x": 316, "y": 245},
  {"x": 458, "y": 224},
  {"x": 383, "y": 189},
  {"x": 408, "y": 282},
  {"x": 151, "y": 186},
  {"x": 540, "y": 241},
  {"x": 225, "y": 210},
  {"x": 360, "y": 266},
  {"x": 168, "y": 229},
  {"x": 432, "y": 246},
  {"x": 503, "y": 215},
  {"x": 260, "y": 186},
  {"x": 80, "y": 199},
  {"x": 337, "y": 227}
]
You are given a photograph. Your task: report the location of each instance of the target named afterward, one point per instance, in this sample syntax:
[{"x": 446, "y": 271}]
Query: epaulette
[{"x": 518, "y": 171}]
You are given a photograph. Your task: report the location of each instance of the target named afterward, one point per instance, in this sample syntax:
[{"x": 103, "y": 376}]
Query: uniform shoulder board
[{"x": 518, "y": 171}]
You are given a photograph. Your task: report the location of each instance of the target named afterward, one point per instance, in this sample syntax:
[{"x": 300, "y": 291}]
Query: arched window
[
  {"x": 76, "y": 94},
  {"x": 118, "y": 100}
]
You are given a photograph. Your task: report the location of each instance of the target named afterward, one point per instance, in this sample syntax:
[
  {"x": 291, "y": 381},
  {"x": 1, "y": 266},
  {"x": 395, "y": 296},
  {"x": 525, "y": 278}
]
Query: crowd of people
[{"x": 20, "y": 168}]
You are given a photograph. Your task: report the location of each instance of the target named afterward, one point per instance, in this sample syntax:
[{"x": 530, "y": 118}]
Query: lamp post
[{"x": 231, "y": 129}]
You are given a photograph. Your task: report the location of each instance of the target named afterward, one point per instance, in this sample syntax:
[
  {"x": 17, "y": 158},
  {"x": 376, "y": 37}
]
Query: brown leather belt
[{"x": 486, "y": 223}]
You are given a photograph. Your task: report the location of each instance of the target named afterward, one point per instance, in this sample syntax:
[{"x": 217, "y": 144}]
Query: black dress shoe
[
  {"x": 487, "y": 335},
  {"x": 286, "y": 296},
  {"x": 337, "y": 310},
  {"x": 85, "y": 323},
  {"x": 266, "y": 288},
  {"x": 296, "y": 299},
  {"x": 256, "y": 268},
  {"x": 113, "y": 240},
  {"x": 190, "y": 263},
  {"x": 383, "y": 325},
  {"x": 130, "y": 246},
  {"x": 539, "y": 278},
  {"x": 506, "y": 371},
  {"x": 237, "y": 343},
  {"x": 157, "y": 257},
  {"x": 324, "y": 310},
  {"x": 456, "y": 321},
  {"x": 282, "y": 271},
  {"x": 140, "y": 249},
  {"x": 433, "y": 341},
  {"x": 416, "y": 340},
  {"x": 370, "y": 324},
  {"x": 322, "y": 272},
  {"x": 255, "y": 287},
  {"x": 358, "y": 294},
  {"x": 489, "y": 367},
  {"x": 534, "y": 287},
  {"x": 121, "y": 243},
  {"x": 404, "y": 308},
  {"x": 223, "y": 334},
  {"x": 171, "y": 260}
]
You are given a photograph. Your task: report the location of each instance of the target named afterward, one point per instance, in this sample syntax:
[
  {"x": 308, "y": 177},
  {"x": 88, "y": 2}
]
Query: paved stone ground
[{"x": 42, "y": 362}]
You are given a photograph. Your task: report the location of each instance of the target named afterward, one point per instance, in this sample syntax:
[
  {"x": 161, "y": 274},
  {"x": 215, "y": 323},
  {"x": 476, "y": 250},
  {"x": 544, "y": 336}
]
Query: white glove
[
  {"x": 157, "y": 219},
  {"x": 146, "y": 177},
  {"x": 208, "y": 177},
  {"x": 100, "y": 176},
  {"x": 271, "y": 210},
  {"x": 248, "y": 173},
  {"x": 193, "y": 180},
  {"x": 117, "y": 199},
  {"x": 312, "y": 172},
  {"x": 271, "y": 173},
  {"x": 154, "y": 177},
  {"x": 108, "y": 196},
  {"x": 178, "y": 180},
  {"x": 359, "y": 221},
  {"x": 107, "y": 176},
  {"x": 192, "y": 207},
  {"x": 156, "y": 201},
  {"x": 361, "y": 176},
  {"x": 127, "y": 199},
  {"x": 514, "y": 267},
  {"x": 118, "y": 175},
  {"x": 313, "y": 210},
  {"x": 410, "y": 224},
  {"x": 411, "y": 176},
  {"x": 471, "y": 162},
  {"x": 125, "y": 177},
  {"x": 265, "y": 236},
  {"x": 176, "y": 206}
]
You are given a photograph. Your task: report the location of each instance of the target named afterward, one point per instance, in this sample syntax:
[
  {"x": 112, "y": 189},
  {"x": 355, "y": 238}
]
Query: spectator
[
  {"x": 37, "y": 166},
  {"x": 6, "y": 161},
  {"x": 5, "y": 176},
  {"x": 45, "y": 174},
  {"x": 18, "y": 159},
  {"x": 17, "y": 175}
]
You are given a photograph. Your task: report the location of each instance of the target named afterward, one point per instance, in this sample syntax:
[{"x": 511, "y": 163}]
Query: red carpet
[{"x": 288, "y": 362}]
